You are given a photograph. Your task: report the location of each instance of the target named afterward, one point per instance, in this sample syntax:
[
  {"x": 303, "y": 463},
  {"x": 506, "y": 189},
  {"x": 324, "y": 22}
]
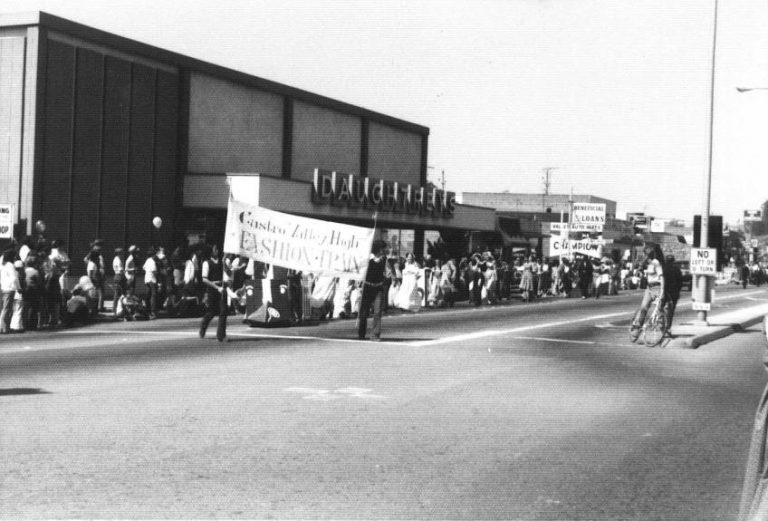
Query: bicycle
[{"x": 654, "y": 329}]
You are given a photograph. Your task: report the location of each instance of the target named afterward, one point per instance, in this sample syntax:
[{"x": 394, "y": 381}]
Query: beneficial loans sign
[
  {"x": 588, "y": 214},
  {"x": 298, "y": 243}
]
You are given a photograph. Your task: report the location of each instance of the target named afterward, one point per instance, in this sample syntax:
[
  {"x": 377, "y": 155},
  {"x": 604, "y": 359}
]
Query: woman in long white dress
[{"x": 407, "y": 298}]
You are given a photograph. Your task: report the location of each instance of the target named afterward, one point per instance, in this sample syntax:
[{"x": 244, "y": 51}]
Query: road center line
[
  {"x": 497, "y": 332},
  {"x": 559, "y": 340}
]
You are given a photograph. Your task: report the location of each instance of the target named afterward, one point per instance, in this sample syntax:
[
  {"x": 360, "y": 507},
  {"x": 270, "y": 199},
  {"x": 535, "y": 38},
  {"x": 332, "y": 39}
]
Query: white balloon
[{"x": 157, "y": 221}]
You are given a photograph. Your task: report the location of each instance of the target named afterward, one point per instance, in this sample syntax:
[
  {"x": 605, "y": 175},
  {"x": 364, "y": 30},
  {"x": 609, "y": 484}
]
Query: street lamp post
[{"x": 703, "y": 281}]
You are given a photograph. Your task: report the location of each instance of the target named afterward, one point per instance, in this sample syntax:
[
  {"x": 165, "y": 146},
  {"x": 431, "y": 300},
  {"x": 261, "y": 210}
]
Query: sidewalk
[{"x": 690, "y": 336}]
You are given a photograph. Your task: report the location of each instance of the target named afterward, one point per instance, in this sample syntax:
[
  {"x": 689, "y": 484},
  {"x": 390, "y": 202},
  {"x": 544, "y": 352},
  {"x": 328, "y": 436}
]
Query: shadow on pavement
[{"x": 18, "y": 391}]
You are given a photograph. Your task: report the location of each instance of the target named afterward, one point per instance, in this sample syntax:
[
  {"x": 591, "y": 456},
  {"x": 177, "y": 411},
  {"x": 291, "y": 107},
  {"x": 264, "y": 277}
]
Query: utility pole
[{"x": 547, "y": 178}]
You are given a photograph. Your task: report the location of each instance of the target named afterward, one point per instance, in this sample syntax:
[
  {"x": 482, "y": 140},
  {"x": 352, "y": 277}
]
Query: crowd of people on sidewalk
[{"x": 39, "y": 292}]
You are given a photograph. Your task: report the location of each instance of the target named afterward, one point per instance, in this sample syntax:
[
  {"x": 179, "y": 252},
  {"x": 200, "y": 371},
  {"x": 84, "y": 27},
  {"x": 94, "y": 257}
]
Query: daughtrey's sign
[
  {"x": 299, "y": 243},
  {"x": 354, "y": 191}
]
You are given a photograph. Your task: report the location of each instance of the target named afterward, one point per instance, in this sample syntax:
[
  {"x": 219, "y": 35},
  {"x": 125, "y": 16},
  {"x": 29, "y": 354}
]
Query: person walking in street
[
  {"x": 744, "y": 272},
  {"x": 215, "y": 293},
  {"x": 373, "y": 292}
]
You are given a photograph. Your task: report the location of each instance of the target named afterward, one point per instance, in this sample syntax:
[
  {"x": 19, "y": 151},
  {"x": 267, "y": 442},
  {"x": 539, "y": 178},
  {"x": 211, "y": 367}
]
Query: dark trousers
[
  {"x": 372, "y": 297},
  {"x": 152, "y": 298},
  {"x": 216, "y": 305},
  {"x": 119, "y": 284},
  {"x": 669, "y": 308}
]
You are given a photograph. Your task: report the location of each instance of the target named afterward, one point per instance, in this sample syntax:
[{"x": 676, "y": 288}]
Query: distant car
[{"x": 685, "y": 268}]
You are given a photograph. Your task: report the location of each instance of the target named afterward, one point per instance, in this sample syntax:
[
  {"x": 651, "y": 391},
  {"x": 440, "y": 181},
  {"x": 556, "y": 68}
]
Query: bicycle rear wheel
[{"x": 655, "y": 328}]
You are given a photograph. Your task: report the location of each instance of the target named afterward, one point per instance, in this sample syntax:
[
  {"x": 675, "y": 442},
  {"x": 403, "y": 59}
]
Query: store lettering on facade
[{"x": 363, "y": 192}]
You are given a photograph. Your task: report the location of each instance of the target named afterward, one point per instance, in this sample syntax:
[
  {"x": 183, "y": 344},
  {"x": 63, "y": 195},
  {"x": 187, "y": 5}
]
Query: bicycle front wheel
[{"x": 655, "y": 328}]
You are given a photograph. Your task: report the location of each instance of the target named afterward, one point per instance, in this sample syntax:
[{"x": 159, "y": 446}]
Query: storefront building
[{"x": 101, "y": 133}]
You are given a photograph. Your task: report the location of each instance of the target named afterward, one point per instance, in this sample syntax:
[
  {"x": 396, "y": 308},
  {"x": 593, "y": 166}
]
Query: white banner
[
  {"x": 299, "y": 243},
  {"x": 559, "y": 247}
]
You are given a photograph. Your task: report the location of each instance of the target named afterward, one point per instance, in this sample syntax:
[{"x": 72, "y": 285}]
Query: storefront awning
[
  {"x": 515, "y": 231},
  {"x": 295, "y": 197}
]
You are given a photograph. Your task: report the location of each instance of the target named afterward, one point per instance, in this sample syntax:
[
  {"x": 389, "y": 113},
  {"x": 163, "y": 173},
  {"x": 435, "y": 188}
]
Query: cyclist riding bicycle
[{"x": 655, "y": 290}]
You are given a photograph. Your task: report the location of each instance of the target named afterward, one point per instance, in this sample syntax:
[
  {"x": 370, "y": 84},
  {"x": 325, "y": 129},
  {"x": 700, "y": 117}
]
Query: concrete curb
[{"x": 713, "y": 333}]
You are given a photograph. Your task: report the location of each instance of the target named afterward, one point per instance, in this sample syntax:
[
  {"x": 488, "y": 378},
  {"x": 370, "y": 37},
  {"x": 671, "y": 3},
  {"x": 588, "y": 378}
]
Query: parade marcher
[
  {"x": 408, "y": 297},
  {"x": 215, "y": 293},
  {"x": 673, "y": 284},
  {"x": 373, "y": 292}
]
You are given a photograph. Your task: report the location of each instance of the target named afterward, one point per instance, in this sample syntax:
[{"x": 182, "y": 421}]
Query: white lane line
[
  {"x": 231, "y": 334},
  {"x": 560, "y": 340},
  {"x": 496, "y": 332}
]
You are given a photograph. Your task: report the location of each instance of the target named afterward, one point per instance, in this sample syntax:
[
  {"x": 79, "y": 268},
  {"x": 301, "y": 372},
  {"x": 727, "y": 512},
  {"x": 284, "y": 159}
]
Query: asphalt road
[{"x": 534, "y": 412}]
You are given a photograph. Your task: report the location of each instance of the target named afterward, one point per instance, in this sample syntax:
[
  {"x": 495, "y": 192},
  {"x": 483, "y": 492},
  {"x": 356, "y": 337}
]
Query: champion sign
[{"x": 561, "y": 247}]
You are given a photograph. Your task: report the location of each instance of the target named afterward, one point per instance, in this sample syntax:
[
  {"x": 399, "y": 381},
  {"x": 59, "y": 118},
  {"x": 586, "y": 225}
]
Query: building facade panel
[
  {"x": 394, "y": 154},
  {"x": 108, "y": 147},
  {"x": 141, "y": 156},
  {"x": 166, "y": 147},
  {"x": 57, "y": 139},
  {"x": 86, "y": 154},
  {"x": 233, "y": 128},
  {"x": 114, "y": 180},
  {"x": 11, "y": 116},
  {"x": 325, "y": 139}
]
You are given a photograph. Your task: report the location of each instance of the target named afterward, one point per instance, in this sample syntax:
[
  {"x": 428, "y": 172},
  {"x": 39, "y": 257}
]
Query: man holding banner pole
[{"x": 373, "y": 291}]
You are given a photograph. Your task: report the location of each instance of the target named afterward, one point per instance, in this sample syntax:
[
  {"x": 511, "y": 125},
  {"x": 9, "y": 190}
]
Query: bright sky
[{"x": 612, "y": 94}]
